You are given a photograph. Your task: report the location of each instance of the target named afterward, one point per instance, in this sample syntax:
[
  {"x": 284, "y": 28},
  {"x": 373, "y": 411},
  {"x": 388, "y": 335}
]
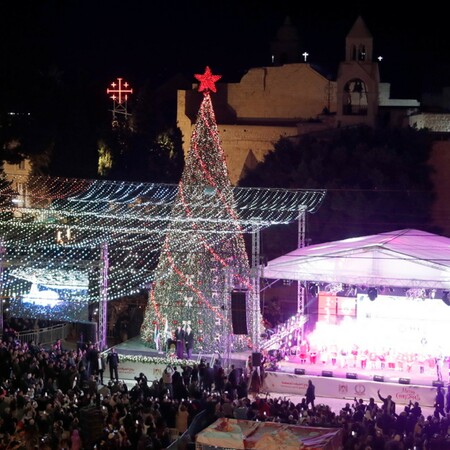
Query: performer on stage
[
  {"x": 179, "y": 338},
  {"x": 168, "y": 337},
  {"x": 303, "y": 350},
  {"x": 439, "y": 360},
  {"x": 156, "y": 337}
]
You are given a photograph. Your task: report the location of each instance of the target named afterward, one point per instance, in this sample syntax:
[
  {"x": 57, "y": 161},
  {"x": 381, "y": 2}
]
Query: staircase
[{"x": 283, "y": 330}]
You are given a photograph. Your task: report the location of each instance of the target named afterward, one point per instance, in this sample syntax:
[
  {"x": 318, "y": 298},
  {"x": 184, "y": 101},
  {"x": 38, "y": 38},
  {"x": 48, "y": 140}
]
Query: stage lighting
[
  {"x": 314, "y": 290},
  {"x": 445, "y": 298},
  {"x": 378, "y": 378},
  {"x": 404, "y": 380},
  {"x": 438, "y": 383},
  {"x": 298, "y": 371},
  {"x": 352, "y": 375},
  {"x": 327, "y": 373},
  {"x": 372, "y": 293}
]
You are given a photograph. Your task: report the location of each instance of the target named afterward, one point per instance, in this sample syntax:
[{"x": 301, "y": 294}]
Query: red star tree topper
[{"x": 207, "y": 80}]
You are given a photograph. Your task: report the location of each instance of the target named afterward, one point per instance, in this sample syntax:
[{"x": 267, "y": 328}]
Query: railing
[
  {"x": 293, "y": 324},
  {"x": 44, "y": 336}
]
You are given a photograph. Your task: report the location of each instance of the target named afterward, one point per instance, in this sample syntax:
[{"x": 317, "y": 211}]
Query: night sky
[{"x": 150, "y": 40}]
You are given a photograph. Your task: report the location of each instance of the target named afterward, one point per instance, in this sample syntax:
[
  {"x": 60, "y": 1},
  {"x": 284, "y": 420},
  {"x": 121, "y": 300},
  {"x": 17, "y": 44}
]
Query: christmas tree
[{"x": 203, "y": 258}]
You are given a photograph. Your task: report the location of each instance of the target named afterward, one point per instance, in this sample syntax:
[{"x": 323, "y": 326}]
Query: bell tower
[{"x": 358, "y": 80}]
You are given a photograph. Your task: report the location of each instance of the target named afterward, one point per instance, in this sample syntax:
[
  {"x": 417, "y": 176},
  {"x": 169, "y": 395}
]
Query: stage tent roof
[{"x": 402, "y": 258}]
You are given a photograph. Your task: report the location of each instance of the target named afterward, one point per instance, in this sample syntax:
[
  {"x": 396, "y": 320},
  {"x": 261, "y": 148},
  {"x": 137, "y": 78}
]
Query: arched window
[
  {"x": 362, "y": 52},
  {"x": 355, "y": 98}
]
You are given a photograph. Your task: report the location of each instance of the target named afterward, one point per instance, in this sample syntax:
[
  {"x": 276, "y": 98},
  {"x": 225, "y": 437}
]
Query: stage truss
[{"x": 53, "y": 229}]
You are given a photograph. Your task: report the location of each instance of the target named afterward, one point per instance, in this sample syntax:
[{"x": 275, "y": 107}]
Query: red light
[{"x": 122, "y": 91}]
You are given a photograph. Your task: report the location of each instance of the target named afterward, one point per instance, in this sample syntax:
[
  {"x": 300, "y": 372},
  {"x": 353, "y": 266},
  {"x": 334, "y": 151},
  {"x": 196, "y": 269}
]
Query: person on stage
[
  {"x": 439, "y": 361},
  {"x": 156, "y": 337},
  {"x": 189, "y": 336},
  {"x": 303, "y": 350},
  {"x": 112, "y": 359},
  {"x": 180, "y": 343}
]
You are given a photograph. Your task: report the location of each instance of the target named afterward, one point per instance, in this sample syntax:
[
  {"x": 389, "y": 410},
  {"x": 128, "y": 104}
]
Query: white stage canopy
[{"x": 403, "y": 258}]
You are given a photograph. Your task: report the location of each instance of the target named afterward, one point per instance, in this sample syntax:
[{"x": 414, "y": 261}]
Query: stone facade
[{"x": 293, "y": 99}]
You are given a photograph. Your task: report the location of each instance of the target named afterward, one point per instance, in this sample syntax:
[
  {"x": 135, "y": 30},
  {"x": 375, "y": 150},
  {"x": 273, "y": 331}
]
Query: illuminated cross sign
[{"x": 119, "y": 91}]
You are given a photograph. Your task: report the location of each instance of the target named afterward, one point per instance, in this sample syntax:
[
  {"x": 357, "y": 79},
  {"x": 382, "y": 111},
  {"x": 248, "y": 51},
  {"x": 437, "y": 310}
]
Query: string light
[
  {"x": 186, "y": 240},
  {"x": 195, "y": 286}
]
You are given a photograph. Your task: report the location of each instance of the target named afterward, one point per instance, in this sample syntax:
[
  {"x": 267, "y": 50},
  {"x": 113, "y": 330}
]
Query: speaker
[
  {"x": 372, "y": 293},
  {"x": 351, "y": 375},
  {"x": 298, "y": 371},
  {"x": 239, "y": 312},
  {"x": 87, "y": 332},
  {"x": 256, "y": 359},
  {"x": 437, "y": 383},
  {"x": 327, "y": 373},
  {"x": 404, "y": 380},
  {"x": 378, "y": 378},
  {"x": 445, "y": 298}
]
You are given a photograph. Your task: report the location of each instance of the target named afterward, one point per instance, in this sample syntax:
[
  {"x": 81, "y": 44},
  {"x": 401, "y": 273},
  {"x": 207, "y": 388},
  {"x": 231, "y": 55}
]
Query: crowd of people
[{"x": 48, "y": 397}]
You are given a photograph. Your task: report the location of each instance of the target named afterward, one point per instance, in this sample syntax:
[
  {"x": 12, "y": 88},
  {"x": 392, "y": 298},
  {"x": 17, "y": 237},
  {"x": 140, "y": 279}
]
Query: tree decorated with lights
[{"x": 203, "y": 258}]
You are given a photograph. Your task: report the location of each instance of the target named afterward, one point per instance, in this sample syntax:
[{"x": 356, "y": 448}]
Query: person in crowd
[
  {"x": 388, "y": 404},
  {"x": 167, "y": 380},
  {"x": 100, "y": 366},
  {"x": 310, "y": 394},
  {"x": 440, "y": 401},
  {"x": 447, "y": 400},
  {"x": 255, "y": 382},
  {"x": 182, "y": 418},
  {"x": 41, "y": 400},
  {"x": 112, "y": 359},
  {"x": 208, "y": 377}
]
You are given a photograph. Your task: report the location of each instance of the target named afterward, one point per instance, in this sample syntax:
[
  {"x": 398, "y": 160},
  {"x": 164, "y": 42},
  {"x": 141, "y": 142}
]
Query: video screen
[{"x": 49, "y": 295}]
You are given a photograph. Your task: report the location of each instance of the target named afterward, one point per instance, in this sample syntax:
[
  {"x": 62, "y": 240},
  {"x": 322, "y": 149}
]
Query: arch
[{"x": 355, "y": 98}]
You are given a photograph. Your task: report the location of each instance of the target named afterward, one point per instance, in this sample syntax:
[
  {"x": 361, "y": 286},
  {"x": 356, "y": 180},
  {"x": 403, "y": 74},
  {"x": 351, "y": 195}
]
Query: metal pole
[
  {"x": 2, "y": 256},
  {"x": 103, "y": 303},
  {"x": 300, "y": 288},
  {"x": 254, "y": 300}
]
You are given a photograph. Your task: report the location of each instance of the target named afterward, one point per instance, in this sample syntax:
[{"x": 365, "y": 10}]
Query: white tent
[{"x": 403, "y": 258}]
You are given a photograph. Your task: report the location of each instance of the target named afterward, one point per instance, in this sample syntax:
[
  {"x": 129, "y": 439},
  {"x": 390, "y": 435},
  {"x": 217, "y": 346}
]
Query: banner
[
  {"x": 130, "y": 369},
  {"x": 288, "y": 383}
]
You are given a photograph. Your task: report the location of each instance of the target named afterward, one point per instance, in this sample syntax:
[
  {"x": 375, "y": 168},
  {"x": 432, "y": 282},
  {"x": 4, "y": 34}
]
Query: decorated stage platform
[
  {"x": 291, "y": 377},
  {"x": 136, "y": 357}
]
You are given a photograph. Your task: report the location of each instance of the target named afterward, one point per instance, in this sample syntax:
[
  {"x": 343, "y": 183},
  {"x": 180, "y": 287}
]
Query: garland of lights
[
  {"x": 153, "y": 360},
  {"x": 52, "y": 230}
]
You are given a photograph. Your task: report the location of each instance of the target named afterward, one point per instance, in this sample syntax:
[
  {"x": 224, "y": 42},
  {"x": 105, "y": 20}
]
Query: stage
[
  {"x": 135, "y": 346},
  {"x": 291, "y": 377},
  {"x": 394, "y": 375}
]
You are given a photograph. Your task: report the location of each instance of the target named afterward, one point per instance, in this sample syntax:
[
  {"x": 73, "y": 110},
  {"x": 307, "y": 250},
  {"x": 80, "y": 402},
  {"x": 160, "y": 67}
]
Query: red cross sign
[{"x": 119, "y": 91}]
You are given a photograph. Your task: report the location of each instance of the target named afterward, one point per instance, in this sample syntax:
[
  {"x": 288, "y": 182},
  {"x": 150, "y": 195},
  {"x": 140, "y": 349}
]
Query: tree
[
  {"x": 53, "y": 123},
  {"x": 147, "y": 145},
  {"x": 377, "y": 180},
  {"x": 203, "y": 257}
]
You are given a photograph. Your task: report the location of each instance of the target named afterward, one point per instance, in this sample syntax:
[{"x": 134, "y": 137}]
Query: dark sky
[{"x": 97, "y": 41}]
